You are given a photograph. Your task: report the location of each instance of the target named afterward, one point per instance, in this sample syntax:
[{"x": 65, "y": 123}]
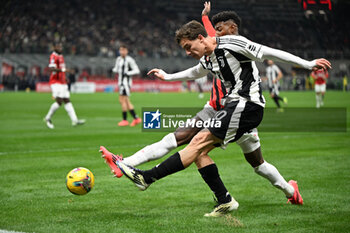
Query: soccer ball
[{"x": 80, "y": 181}]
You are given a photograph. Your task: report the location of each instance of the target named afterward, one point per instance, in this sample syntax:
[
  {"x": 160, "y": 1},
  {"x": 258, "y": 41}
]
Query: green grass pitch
[{"x": 34, "y": 162}]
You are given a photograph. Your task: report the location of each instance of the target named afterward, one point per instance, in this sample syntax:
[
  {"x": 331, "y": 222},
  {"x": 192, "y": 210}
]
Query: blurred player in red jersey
[
  {"x": 59, "y": 87},
  {"x": 320, "y": 77}
]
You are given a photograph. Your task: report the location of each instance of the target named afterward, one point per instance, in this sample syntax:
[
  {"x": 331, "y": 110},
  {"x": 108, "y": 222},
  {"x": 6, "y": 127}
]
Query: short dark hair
[
  {"x": 225, "y": 16},
  {"x": 190, "y": 31},
  {"x": 123, "y": 46}
]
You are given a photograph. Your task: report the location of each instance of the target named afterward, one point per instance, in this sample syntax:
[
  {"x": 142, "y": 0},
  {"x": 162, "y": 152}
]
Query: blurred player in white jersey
[
  {"x": 274, "y": 75},
  {"x": 200, "y": 84},
  {"x": 125, "y": 67},
  {"x": 59, "y": 87},
  {"x": 320, "y": 77}
]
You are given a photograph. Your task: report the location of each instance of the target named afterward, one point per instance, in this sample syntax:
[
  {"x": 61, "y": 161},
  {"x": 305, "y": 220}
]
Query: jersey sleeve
[
  {"x": 241, "y": 45},
  {"x": 276, "y": 68},
  {"x": 192, "y": 73},
  {"x": 115, "y": 68},
  {"x": 52, "y": 62},
  {"x": 208, "y": 26},
  {"x": 282, "y": 56},
  {"x": 134, "y": 68}
]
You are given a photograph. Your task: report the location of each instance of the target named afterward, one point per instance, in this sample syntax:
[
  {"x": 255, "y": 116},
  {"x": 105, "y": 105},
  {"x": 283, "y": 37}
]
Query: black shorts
[{"x": 237, "y": 118}]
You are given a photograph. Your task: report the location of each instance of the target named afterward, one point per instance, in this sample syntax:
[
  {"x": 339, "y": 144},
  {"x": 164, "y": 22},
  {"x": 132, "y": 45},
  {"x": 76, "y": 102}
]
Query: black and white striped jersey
[
  {"x": 233, "y": 62},
  {"x": 125, "y": 68},
  {"x": 272, "y": 74}
]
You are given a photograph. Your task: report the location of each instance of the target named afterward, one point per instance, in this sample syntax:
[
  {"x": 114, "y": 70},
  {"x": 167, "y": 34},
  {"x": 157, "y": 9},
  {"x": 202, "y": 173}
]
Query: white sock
[
  {"x": 70, "y": 110},
  {"x": 318, "y": 100},
  {"x": 52, "y": 110},
  {"x": 269, "y": 172},
  {"x": 152, "y": 152}
]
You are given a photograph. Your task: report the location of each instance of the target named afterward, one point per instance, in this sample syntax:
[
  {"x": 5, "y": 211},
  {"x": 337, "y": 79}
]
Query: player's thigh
[
  {"x": 185, "y": 134},
  {"x": 203, "y": 140},
  {"x": 323, "y": 88},
  {"x": 55, "y": 90},
  {"x": 122, "y": 99}
]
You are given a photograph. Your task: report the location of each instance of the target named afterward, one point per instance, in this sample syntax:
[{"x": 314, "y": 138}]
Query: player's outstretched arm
[
  {"x": 205, "y": 19},
  {"x": 192, "y": 73},
  {"x": 282, "y": 56},
  {"x": 206, "y": 9}
]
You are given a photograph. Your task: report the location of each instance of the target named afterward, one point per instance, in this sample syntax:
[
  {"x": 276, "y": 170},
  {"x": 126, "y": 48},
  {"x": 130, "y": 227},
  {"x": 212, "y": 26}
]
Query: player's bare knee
[
  {"x": 199, "y": 141},
  {"x": 254, "y": 158}
]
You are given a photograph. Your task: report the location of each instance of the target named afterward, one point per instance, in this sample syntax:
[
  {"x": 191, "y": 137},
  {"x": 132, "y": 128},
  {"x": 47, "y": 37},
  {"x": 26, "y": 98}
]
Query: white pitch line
[
  {"x": 5, "y": 231},
  {"x": 66, "y": 150}
]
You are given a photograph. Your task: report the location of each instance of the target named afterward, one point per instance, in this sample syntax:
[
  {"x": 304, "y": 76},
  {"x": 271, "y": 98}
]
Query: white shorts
[
  {"x": 320, "y": 88},
  {"x": 248, "y": 142},
  {"x": 60, "y": 90},
  {"x": 207, "y": 112}
]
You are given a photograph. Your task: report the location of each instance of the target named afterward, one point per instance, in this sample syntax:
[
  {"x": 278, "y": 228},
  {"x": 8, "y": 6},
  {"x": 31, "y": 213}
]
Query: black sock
[
  {"x": 276, "y": 101},
  {"x": 210, "y": 175},
  {"x": 124, "y": 115},
  {"x": 133, "y": 114},
  {"x": 167, "y": 167},
  {"x": 280, "y": 98}
]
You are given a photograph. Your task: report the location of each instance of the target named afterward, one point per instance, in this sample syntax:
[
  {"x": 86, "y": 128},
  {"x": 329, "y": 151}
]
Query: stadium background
[{"x": 92, "y": 32}]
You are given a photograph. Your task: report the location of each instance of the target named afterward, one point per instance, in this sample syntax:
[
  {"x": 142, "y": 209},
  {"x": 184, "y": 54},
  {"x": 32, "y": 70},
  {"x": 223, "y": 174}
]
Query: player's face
[
  {"x": 123, "y": 51},
  {"x": 58, "y": 48},
  {"x": 194, "y": 48},
  {"x": 270, "y": 62},
  {"x": 225, "y": 28}
]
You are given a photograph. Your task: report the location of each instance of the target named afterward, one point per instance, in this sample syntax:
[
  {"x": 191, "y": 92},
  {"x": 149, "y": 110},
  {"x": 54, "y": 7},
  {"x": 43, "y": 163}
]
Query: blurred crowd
[
  {"x": 98, "y": 28},
  {"x": 88, "y": 27}
]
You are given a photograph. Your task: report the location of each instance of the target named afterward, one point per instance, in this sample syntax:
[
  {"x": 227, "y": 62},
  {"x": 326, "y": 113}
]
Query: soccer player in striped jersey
[
  {"x": 261, "y": 167},
  {"x": 232, "y": 59},
  {"x": 183, "y": 136},
  {"x": 274, "y": 75},
  {"x": 125, "y": 67},
  {"x": 59, "y": 87}
]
